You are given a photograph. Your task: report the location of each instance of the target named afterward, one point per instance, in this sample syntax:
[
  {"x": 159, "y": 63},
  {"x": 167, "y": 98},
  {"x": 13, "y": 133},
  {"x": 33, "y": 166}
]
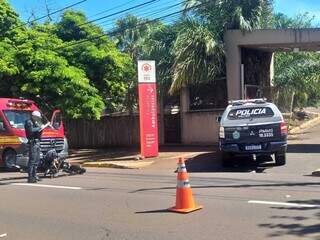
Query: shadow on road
[
  {"x": 6, "y": 170},
  {"x": 271, "y": 185},
  {"x": 178, "y": 148},
  {"x": 304, "y": 148},
  {"x": 130, "y": 153},
  {"x": 154, "y": 211},
  {"x": 15, "y": 179},
  {"x": 296, "y": 226},
  {"x": 82, "y": 155},
  {"x": 10, "y": 180},
  {"x": 211, "y": 162}
]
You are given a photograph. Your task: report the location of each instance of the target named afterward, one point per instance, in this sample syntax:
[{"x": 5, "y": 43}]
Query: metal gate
[{"x": 172, "y": 128}]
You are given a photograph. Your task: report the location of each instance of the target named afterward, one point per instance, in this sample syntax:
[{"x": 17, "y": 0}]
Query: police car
[{"x": 252, "y": 128}]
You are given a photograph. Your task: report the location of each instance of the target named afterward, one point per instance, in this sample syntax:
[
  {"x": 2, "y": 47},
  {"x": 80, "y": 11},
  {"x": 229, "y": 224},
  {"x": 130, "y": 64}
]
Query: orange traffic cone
[{"x": 184, "y": 199}]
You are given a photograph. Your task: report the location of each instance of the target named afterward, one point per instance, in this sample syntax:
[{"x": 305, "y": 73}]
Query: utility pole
[{"x": 47, "y": 10}]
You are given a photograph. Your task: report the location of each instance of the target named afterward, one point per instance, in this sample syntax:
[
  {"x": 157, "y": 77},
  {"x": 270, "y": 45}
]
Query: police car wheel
[
  {"x": 10, "y": 158},
  {"x": 280, "y": 159}
]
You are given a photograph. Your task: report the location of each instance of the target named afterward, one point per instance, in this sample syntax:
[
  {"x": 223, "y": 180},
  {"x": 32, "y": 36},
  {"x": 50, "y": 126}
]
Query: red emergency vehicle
[{"x": 13, "y": 141}]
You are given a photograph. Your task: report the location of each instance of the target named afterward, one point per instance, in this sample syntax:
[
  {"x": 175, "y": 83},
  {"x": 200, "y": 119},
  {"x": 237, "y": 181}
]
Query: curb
[
  {"x": 118, "y": 164},
  {"x": 306, "y": 125},
  {"x": 316, "y": 173},
  {"x": 301, "y": 128}
]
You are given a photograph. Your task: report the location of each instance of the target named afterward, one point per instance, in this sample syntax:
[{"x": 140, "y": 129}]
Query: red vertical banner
[{"x": 148, "y": 109}]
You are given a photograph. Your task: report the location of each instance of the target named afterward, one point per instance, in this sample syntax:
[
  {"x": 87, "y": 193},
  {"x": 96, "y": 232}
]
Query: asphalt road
[{"x": 250, "y": 202}]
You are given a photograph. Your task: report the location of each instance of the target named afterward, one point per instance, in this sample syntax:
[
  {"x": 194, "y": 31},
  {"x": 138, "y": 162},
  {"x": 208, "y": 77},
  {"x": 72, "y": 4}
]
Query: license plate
[
  {"x": 266, "y": 133},
  {"x": 253, "y": 147}
]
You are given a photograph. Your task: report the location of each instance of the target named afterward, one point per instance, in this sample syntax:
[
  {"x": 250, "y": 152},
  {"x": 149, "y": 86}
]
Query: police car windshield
[
  {"x": 18, "y": 118},
  {"x": 250, "y": 112}
]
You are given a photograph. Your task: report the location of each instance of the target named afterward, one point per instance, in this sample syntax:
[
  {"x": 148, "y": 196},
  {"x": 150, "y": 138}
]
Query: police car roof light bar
[{"x": 244, "y": 101}]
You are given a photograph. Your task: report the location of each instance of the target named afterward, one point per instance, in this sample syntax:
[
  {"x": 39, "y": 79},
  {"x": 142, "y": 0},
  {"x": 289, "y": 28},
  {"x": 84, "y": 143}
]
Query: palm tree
[
  {"x": 298, "y": 74},
  {"x": 130, "y": 31},
  {"x": 199, "y": 55},
  {"x": 234, "y": 14},
  {"x": 158, "y": 45}
]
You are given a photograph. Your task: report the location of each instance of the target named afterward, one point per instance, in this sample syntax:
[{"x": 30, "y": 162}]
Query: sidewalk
[
  {"x": 305, "y": 125},
  {"x": 129, "y": 157}
]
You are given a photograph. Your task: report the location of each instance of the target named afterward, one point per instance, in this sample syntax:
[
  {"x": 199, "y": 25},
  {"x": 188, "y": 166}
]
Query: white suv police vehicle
[{"x": 252, "y": 127}]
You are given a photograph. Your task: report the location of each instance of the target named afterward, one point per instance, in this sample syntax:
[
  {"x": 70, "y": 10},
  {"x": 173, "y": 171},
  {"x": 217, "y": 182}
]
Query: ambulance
[{"x": 13, "y": 141}]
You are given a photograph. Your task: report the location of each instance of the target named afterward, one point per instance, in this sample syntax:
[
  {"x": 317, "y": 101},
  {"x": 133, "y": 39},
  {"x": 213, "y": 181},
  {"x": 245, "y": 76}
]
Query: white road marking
[
  {"x": 3, "y": 235},
  {"x": 46, "y": 186},
  {"x": 284, "y": 204}
]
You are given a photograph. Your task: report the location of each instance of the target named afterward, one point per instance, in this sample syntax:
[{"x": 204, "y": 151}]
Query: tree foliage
[
  {"x": 146, "y": 40},
  {"x": 109, "y": 70},
  {"x": 158, "y": 45},
  {"x": 72, "y": 65},
  {"x": 8, "y": 19},
  {"x": 282, "y": 21},
  {"x": 81, "y": 80},
  {"x": 130, "y": 32},
  {"x": 199, "y": 55},
  {"x": 230, "y": 14},
  {"x": 298, "y": 72}
]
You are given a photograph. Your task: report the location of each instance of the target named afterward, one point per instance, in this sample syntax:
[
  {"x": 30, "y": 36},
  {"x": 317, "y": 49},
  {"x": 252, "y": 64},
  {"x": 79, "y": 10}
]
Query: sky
[
  {"x": 99, "y": 8},
  {"x": 294, "y": 7}
]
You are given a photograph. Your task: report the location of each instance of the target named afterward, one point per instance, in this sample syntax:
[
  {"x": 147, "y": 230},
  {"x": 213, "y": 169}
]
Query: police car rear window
[{"x": 252, "y": 112}]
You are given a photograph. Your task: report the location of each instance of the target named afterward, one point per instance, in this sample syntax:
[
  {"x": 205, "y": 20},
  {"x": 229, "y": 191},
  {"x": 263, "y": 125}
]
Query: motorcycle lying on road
[{"x": 51, "y": 164}]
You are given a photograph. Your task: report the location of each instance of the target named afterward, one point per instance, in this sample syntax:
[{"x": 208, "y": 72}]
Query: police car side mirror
[{"x": 218, "y": 119}]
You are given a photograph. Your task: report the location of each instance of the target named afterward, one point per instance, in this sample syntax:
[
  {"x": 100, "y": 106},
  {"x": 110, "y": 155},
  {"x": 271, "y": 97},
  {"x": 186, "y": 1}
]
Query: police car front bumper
[{"x": 266, "y": 148}]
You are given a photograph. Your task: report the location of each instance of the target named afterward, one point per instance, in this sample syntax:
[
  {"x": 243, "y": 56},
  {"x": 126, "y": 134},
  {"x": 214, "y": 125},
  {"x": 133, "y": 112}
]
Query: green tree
[
  {"x": 8, "y": 19},
  {"x": 297, "y": 72},
  {"x": 74, "y": 26},
  {"x": 30, "y": 66},
  {"x": 199, "y": 55},
  {"x": 282, "y": 21},
  {"x": 109, "y": 70},
  {"x": 230, "y": 14},
  {"x": 130, "y": 32},
  {"x": 158, "y": 45},
  {"x": 43, "y": 72}
]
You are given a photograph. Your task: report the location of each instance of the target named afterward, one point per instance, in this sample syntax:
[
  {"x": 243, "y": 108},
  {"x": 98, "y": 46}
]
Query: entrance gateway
[{"x": 249, "y": 57}]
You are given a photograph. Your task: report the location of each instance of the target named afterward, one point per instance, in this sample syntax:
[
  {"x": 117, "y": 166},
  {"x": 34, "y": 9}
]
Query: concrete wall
[
  {"x": 197, "y": 127},
  {"x": 233, "y": 67},
  {"x": 306, "y": 39},
  {"x": 200, "y": 127},
  {"x": 263, "y": 40}
]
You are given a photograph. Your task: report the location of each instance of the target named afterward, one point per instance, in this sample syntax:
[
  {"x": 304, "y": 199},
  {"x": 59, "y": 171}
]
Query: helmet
[{"x": 36, "y": 114}]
